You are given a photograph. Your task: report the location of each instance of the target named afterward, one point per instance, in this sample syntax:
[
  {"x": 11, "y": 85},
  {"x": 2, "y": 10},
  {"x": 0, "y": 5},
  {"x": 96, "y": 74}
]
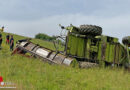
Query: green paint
[
  {"x": 107, "y": 51},
  {"x": 99, "y": 51},
  {"x": 80, "y": 47},
  {"x": 115, "y": 40},
  {"x": 73, "y": 47},
  {"x": 88, "y": 43}
]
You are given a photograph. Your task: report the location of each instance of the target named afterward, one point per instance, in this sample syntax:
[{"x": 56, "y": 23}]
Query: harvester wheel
[
  {"x": 126, "y": 40},
  {"x": 90, "y": 29}
]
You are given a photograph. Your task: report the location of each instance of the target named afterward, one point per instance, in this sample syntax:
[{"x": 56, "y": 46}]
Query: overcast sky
[{"x": 29, "y": 17}]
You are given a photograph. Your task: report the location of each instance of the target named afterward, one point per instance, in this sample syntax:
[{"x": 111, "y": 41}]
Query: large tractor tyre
[
  {"x": 126, "y": 40},
  {"x": 90, "y": 29}
]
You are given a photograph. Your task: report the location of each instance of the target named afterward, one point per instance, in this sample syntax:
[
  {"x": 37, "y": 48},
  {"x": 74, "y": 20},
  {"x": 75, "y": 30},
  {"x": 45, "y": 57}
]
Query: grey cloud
[
  {"x": 115, "y": 26},
  {"x": 25, "y": 10},
  {"x": 28, "y": 17}
]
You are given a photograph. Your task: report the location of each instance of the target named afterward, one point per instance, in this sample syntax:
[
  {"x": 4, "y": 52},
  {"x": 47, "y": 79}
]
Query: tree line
[{"x": 46, "y": 37}]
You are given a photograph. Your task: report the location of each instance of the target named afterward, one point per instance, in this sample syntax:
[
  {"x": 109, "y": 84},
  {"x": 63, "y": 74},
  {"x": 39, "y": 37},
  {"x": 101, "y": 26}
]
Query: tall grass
[{"x": 34, "y": 74}]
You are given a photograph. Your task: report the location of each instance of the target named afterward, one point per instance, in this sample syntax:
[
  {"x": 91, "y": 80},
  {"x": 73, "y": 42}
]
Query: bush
[{"x": 43, "y": 36}]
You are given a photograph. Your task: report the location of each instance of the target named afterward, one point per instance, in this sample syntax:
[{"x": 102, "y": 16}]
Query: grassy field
[{"x": 33, "y": 74}]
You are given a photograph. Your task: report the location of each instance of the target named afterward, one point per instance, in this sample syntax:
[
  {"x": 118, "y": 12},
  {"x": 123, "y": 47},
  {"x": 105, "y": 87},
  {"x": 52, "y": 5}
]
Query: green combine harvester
[
  {"x": 86, "y": 43},
  {"x": 85, "y": 46}
]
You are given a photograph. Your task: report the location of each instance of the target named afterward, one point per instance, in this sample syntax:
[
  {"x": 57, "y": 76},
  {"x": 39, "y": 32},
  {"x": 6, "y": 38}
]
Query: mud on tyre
[{"x": 90, "y": 29}]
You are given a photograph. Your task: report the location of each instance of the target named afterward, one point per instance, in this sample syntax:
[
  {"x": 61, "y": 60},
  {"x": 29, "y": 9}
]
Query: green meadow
[{"x": 34, "y": 74}]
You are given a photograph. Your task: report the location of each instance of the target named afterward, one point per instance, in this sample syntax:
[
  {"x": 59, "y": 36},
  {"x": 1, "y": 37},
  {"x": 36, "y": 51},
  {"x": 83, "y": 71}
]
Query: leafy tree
[{"x": 43, "y": 36}]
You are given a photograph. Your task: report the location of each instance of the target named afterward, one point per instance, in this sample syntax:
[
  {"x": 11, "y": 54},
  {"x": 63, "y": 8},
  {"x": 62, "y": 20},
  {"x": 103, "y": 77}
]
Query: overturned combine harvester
[{"x": 84, "y": 46}]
